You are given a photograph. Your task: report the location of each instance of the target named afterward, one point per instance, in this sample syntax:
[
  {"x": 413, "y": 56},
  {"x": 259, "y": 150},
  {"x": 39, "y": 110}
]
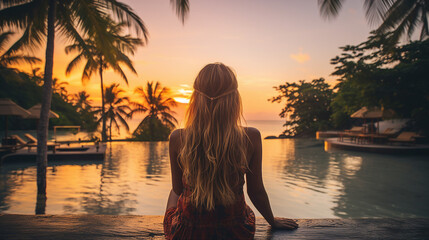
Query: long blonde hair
[{"x": 213, "y": 154}]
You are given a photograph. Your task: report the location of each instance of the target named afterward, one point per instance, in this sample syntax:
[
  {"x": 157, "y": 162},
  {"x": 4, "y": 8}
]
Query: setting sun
[{"x": 181, "y": 100}]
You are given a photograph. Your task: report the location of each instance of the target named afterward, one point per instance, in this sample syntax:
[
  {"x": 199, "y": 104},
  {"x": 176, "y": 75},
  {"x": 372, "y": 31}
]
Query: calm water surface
[{"x": 302, "y": 181}]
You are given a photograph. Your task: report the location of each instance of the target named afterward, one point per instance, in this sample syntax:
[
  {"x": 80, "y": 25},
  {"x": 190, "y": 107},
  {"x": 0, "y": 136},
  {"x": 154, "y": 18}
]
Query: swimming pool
[{"x": 302, "y": 181}]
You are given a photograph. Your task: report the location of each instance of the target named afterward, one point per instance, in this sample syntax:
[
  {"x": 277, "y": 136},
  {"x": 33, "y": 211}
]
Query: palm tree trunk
[
  {"x": 5, "y": 130},
  {"x": 42, "y": 129},
  {"x": 110, "y": 126},
  {"x": 151, "y": 128},
  {"x": 103, "y": 113}
]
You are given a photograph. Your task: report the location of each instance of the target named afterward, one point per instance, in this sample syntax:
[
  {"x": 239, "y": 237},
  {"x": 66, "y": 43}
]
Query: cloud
[{"x": 300, "y": 57}]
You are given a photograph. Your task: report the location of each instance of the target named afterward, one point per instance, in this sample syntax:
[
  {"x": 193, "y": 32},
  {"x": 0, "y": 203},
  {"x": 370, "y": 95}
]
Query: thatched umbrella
[
  {"x": 35, "y": 112},
  {"x": 373, "y": 113},
  {"x": 10, "y": 108}
]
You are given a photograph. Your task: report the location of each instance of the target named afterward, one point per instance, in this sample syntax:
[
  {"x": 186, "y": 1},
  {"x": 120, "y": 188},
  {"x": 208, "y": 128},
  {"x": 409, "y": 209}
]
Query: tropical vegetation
[
  {"x": 159, "y": 121},
  {"x": 370, "y": 74},
  {"x": 307, "y": 108},
  {"x": 39, "y": 21},
  {"x": 399, "y": 17},
  {"x": 9, "y": 59},
  {"x": 30, "y": 94},
  {"x": 374, "y": 74},
  {"x": 99, "y": 59},
  {"x": 84, "y": 107},
  {"x": 118, "y": 108}
]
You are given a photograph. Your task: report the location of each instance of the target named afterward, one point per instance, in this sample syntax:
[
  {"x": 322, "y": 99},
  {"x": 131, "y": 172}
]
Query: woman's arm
[
  {"x": 255, "y": 185},
  {"x": 176, "y": 171}
]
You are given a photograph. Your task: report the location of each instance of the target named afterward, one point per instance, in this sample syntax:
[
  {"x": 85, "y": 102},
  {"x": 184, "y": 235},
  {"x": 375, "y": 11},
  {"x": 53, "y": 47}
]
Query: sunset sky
[{"x": 266, "y": 42}]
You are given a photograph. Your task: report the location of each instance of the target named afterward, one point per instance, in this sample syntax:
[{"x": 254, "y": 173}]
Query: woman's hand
[{"x": 284, "y": 224}]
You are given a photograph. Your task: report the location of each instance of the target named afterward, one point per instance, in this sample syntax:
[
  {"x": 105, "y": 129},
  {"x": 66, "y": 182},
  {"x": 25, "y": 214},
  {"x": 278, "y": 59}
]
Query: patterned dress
[{"x": 236, "y": 221}]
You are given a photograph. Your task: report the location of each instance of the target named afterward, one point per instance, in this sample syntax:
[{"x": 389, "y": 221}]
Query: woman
[{"x": 209, "y": 159}]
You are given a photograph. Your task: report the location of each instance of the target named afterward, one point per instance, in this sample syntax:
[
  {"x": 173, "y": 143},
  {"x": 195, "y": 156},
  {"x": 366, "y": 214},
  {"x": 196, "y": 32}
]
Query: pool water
[{"x": 302, "y": 181}]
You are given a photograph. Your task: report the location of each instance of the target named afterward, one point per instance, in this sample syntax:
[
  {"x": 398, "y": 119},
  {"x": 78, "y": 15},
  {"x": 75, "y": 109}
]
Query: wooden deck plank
[{"x": 150, "y": 227}]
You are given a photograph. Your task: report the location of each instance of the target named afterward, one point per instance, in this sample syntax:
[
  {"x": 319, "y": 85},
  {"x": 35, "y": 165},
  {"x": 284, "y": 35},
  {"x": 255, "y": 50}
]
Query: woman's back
[
  {"x": 209, "y": 159},
  {"x": 186, "y": 221}
]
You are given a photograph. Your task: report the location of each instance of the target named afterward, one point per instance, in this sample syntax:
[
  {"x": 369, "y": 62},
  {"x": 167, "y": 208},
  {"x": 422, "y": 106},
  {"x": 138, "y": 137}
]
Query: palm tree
[
  {"x": 158, "y": 105},
  {"x": 87, "y": 115},
  {"x": 8, "y": 59},
  {"x": 399, "y": 16},
  {"x": 118, "y": 108},
  {"x": 59, "y": 87},
  {"x": 97, "y": 59},
  {"x": 82, "y": 101},
  {"x": 36, "y": 76},
  {"x": 38, "y": 19}
]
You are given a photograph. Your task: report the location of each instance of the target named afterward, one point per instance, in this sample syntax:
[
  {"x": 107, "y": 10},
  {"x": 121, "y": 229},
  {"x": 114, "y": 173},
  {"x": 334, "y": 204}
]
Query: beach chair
[
  {"x": 352, "y": 133},
  {"x": 33, "y": 141},
  {"x": 19, "y": 140},
  {"x": 21, "y": 143},
  {"x": 404, "y": 137},
  {"x": 30, "y": 138},
  {"x": 354, "y": 129},
  {"x": 389, "y": 132}
]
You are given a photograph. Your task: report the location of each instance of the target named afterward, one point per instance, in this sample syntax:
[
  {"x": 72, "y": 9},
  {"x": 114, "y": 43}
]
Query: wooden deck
[
  {"x": 150, "y": 227},
  {"x": 80, "y": 152},
  {"x": 327, "y": 134},
  {"x": 376, "y": 148}
]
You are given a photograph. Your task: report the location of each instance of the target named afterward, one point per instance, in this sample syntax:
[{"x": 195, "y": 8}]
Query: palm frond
[
  {"x": 330, "y": 8},
  {"x": 116, "y": 68},
  {"x": 90, "y": 68},
  {"x": 425, "y": 28},
  {"x": 123, "y": 122},
  {"x": 32, "y": 36},
  {"x": 10, "y": 3},
  {"x": 375, "y": 10},
  {"x": 123, "y": 59},
  {"x": 18, "y": 59},
  {"x": 4, "y": 39},
  {"x": 401, "y": 19},
  {"x": 15, "y": 15},
  {"x": 73, "y": 64},
  {"x": 181, "y": 7},
  {"x": 125, "y": 14}
]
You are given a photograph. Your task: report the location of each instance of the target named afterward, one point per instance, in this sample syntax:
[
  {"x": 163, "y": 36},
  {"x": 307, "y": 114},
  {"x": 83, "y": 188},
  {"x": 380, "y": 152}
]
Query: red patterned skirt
[{"x": 233, "y": 222}]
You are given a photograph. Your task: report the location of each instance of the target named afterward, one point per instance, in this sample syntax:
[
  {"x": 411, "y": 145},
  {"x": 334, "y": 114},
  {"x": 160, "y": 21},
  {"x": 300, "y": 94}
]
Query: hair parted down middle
[{"x": 213, "y": 154}]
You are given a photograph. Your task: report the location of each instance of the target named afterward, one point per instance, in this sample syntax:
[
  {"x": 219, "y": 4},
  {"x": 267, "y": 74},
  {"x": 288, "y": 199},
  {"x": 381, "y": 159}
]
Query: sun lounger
[
  {"x": 33, "y": 140},
  {"x": 20, "y": 143},
  {"x": 389, "y": 132},
  {"x": 404, "y": 137},
  {"x": 30, "y": 138},
  {"x": 19, "y": 140},
  {"x": 354, "y": 129},
  {"x": 352, "y": 133},
  {"x": 378, "y": 137}
]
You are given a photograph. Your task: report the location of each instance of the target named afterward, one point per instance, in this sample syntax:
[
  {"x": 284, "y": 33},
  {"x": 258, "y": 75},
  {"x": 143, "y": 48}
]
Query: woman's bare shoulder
[
  {"x": 176, "y": 133},
  {"x": 253, "y": 133},
  {"x": 176, "y": 138}
]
